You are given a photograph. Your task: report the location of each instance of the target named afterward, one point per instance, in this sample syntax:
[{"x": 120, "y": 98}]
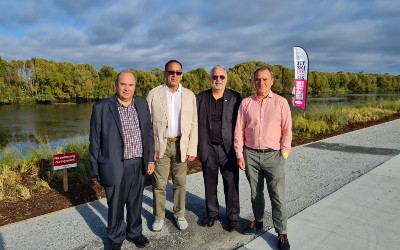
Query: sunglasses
[
  {"x": 215, "y": 77},
  {"x": 171, "y": 72}
]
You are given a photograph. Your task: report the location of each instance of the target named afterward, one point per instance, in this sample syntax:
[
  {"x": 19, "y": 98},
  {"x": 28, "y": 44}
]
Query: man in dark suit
[
  {"x": 121, "y": 153},
  {"x": 217, "y": 111}
]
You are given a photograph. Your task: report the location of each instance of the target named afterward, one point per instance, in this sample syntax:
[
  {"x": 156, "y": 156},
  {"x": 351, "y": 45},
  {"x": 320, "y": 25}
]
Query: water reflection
[
  {"x": 337, "y": 100},
  {"x": 21, "y": 126}
]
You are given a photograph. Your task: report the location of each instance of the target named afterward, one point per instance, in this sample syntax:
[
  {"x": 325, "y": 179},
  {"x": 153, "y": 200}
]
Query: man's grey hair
[{"x": 216, "y": 67}]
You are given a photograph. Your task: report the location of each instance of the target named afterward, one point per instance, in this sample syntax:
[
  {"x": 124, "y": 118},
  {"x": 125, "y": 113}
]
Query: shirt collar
[
  {"x": 120, "y": 104},
  {"x": 270, "y": 95},
  {"x": 178, "y": 90}
]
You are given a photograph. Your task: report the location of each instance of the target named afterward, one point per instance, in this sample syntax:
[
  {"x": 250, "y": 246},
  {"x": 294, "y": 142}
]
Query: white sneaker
[
  {"x": 158, "y": 225},
  {"x": 181, "y": 223}
]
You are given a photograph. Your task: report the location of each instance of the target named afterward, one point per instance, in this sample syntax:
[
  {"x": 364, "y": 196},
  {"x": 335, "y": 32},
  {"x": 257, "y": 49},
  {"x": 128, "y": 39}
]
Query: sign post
[{"x": 64, "y": 161}]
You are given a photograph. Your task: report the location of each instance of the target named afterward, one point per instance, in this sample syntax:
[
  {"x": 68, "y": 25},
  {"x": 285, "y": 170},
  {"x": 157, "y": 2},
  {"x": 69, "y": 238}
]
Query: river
[{"x": 22, "y": 124}]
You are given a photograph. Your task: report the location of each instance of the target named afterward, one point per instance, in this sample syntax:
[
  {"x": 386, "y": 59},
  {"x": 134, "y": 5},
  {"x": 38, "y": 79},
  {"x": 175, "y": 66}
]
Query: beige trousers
[{"x": 169, "y": 161}]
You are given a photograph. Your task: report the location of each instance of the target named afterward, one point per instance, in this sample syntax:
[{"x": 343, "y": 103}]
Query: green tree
[
  {"x": 278, "y": 86},
  {"x": 245, "y": 72},
  {"x": 159, "y": 73},
  {"x": 145, "y": 81},
  {"x": 85, "y": 78},
  {"x": 287, "y": 80},
  {"x": 66, "y": 81},
  {"x": 320, "y": 83},
  {"x": 234, "y": 82},
  {"x": 343, "y": 79},
  {"x": 106, "y": 86},
  {"x": 199, "y": 81},
  {"x": 3, "y": 68}
]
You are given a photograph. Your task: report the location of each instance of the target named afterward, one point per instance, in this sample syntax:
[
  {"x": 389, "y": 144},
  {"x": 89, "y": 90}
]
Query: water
[
  {"x": 20, "y": 125},
  {"x": 337, "y": 100}
]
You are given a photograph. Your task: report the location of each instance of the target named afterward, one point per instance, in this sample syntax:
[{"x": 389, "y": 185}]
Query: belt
[
  {"x": 173, "y": 139},
  {"x": 262, "y": 150},
  {"x": 132, "y": 159}
]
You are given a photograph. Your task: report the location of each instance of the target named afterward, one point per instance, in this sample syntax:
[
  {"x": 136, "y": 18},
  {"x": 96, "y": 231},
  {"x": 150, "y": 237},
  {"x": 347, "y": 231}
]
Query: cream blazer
[{"x": 158, "y": 105}]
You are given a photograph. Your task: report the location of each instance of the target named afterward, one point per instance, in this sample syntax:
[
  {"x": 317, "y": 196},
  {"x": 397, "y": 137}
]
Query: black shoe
[
  {"x": 140, "y": 241},
  {"x": 232, "y": 226},
  {"x": 209, "y": 222},
  {"x": 283, "y": 242},
  {"x": 254, "y": 228},
  {"x": 115, "y": 246}
]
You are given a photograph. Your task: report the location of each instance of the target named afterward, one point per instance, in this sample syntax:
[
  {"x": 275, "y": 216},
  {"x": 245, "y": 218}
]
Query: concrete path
[
  {"x": 364, "y": 214},
  {"x": 342, "y": 193}
]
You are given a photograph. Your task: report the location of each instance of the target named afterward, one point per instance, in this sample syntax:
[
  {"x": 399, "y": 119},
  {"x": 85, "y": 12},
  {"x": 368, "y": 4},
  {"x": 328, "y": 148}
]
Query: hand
[
  {"x": 150, "y": 168},
  {"x": 190, "y": 158},
  {"x": 241, "y": 164}
]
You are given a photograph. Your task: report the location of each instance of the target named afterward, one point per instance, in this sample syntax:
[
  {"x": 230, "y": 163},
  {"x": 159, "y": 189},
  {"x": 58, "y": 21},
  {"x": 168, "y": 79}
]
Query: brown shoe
[
  {"x": 283, "y": 242},
  {"x": 254, "y": 228}
]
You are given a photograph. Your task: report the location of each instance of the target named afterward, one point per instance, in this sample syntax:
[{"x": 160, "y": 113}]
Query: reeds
[
  {"x": 20, "y": 174},
  {"x": 332, "y": 118}
]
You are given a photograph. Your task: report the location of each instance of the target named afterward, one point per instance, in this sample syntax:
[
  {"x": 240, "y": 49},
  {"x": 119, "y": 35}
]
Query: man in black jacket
[{"x": 217, "y": 110}]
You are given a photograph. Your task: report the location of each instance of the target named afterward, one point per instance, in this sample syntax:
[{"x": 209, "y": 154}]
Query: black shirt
[{"x": 216, "y": 120}]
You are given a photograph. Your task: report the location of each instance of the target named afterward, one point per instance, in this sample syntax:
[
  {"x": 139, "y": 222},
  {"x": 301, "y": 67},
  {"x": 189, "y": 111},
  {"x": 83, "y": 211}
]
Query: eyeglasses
[
  {"x": 171, "y": 72},
  {"x": 215, "y": 77}
]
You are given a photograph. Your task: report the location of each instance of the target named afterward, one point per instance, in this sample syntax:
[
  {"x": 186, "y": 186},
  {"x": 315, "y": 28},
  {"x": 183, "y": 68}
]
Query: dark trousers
[
  {"x": 130, "y": 193},
  {"x": 219, "y": 161}
]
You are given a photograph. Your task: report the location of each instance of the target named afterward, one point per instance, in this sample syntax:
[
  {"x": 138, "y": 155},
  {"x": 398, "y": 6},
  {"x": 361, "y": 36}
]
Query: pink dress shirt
[{"x": 263, "y": 124}]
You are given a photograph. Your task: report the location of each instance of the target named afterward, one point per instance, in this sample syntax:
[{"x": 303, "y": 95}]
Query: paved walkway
[
  {"x": 364, "y": 214},
  {"x": 342, "y": 193}
]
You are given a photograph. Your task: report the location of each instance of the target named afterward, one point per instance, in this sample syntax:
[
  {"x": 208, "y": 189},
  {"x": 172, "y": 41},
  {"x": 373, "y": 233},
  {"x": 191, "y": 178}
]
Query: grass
[
  {"x": 328, "y": 118},
  {"x": 21, "y": 175}
]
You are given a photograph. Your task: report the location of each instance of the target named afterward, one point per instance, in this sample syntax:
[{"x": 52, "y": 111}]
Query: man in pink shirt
[{"x": 263, "y": 137}]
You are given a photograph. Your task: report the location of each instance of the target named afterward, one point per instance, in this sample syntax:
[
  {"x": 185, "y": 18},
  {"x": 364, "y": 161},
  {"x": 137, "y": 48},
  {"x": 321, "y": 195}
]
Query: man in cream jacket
[{"x": 174, "y": 116}]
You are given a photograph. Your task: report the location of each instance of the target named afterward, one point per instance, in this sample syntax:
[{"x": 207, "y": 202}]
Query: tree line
[{"x": 46, "y": 81}]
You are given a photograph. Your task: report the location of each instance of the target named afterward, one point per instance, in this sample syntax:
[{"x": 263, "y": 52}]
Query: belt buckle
[{"x": 172, "y": 139}]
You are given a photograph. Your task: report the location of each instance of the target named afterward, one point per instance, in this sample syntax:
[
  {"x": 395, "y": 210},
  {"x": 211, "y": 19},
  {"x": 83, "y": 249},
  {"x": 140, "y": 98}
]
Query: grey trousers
[
  {"x": 172, "y": 156},
  {"x": 268, "y": 166}
]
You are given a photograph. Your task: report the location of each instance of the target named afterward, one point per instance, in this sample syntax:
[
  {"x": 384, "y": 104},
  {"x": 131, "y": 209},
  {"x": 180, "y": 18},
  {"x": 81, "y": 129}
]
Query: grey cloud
[
  {"x": 79, "y": 8},
  {"x": 14, "y": 14},
  {"x": 114, "y": 23},
  {"x": 173, "y": 22},
  {"x": 338, "y": 35},
  {"x": 59, "y": 38}
]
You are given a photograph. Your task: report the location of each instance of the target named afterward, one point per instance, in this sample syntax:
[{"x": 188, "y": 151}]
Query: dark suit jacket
[
  {"x": 230, "y": 108},
  {"x": 106, "y": 140}
]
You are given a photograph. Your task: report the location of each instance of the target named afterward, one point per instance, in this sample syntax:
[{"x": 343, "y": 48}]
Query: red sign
[{"x": 61, "y": 161}]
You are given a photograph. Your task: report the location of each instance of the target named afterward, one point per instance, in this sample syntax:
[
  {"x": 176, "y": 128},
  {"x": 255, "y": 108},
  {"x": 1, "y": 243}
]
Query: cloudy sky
[{"x": 345, "y": 35}]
